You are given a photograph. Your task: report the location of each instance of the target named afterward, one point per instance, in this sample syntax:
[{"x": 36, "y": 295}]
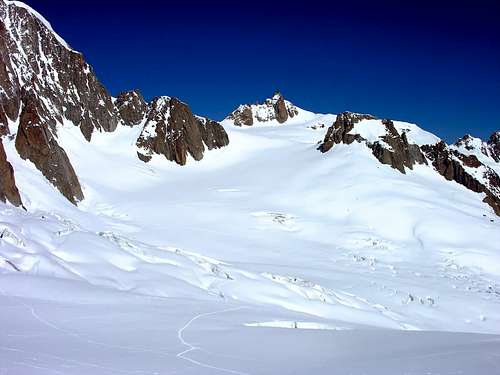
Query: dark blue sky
[{"x": 435, "y": 65}]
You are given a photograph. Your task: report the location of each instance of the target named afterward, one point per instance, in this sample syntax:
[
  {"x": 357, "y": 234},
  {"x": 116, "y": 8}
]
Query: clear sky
[{"x": 437, "y": 65}]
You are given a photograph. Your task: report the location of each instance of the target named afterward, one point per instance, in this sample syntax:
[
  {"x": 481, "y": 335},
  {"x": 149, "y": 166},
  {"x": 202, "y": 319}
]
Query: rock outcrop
[
  {"x": 273, "y": 109},
  {"x": 489, "y": 149},
  {"x": 213, "y": 134},
  {"x": 494, "y": 146},
  {"x": 469, "y": 162},
  {"x": 131, "y": 107},
  {"x": 391, "y": 148},
  {"x": 36, "y": 142},
  {"x": 173, "y": 131},
  {"x": 466, "y": 170},
  {"x": 339, "y": 132},
  {"x": 8, "y": 188},
  {"x": 243, "y": 115},
  {"x": 281, "y": 110},
  {"x": 400, "y": 153}
]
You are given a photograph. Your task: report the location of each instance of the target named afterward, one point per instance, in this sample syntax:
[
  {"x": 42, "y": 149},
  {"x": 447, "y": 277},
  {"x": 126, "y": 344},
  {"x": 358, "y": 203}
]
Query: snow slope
[{"x": 204, "y": 268}]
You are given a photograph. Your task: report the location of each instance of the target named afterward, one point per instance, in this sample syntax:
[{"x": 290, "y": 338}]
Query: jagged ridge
[
  {"x": 45, "y": 84},
  {"x": 392, "y": 146}
]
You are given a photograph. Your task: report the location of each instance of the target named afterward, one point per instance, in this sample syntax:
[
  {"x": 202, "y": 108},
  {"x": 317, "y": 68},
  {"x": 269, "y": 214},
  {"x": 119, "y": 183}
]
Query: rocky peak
[
  {"x": 173, "y": 131},
  {"x": 44, "y": 84},
  {"x": 467, "y": 170},
  {"x": 131, "y": 107},
  {"x": 34, "y": 58},
  {"x": 339, "y": 132},
  {"x": 388, "y": 145},
  {"x": 275, "y": 108}
]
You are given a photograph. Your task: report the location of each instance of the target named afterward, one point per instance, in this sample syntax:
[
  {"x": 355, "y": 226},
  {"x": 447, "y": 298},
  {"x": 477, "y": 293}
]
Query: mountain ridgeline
[
  {"x": 46, "y": 85},
  {"x": 469, "y": 162}
]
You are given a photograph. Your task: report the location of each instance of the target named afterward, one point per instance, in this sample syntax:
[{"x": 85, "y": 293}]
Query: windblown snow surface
[{"x": 267, "y": 257}]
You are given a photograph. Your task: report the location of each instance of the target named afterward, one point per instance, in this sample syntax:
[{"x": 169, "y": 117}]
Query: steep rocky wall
[
  {"x": 131, "y": 107},
  {"x": 173, "y": 131},
  {"x": 34, "y": 59},
  {"x": 394, "y": 149},
  {"x": 44, "y": 83},
  {"x": 400, "y": 153},
  {"x": 36, "y": 142},
  {"x": 8, "y": 188},
  {"x": 451, "y": 165},
  {"x": 339, "y": 131}
]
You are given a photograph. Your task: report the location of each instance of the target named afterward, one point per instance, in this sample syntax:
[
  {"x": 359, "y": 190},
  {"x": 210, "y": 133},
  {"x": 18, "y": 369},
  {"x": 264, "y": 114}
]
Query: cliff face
[
  {"x": 131, "y": 107},
  {"x": 34, "y": 60},
  {"x": 36, "y": 142},
  {"x": 45, "y": 84},
  {"x": 391, "y": 147},
  {"x": 173, "y": 131},
  {"x": 8, "y": 188}
]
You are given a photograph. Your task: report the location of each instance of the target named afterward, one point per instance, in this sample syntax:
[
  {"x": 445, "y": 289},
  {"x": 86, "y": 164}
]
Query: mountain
[
  {"x": 469, "y": 162},
  {"x": 138, "y": 237},
  {"x": 46, "y": 85}
]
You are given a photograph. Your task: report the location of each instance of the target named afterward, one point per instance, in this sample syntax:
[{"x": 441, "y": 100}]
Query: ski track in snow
[
  {"x": 267, "y": 222},
  {"x": 192, "y": 348},
  {"x": 79, "y": 337}
]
